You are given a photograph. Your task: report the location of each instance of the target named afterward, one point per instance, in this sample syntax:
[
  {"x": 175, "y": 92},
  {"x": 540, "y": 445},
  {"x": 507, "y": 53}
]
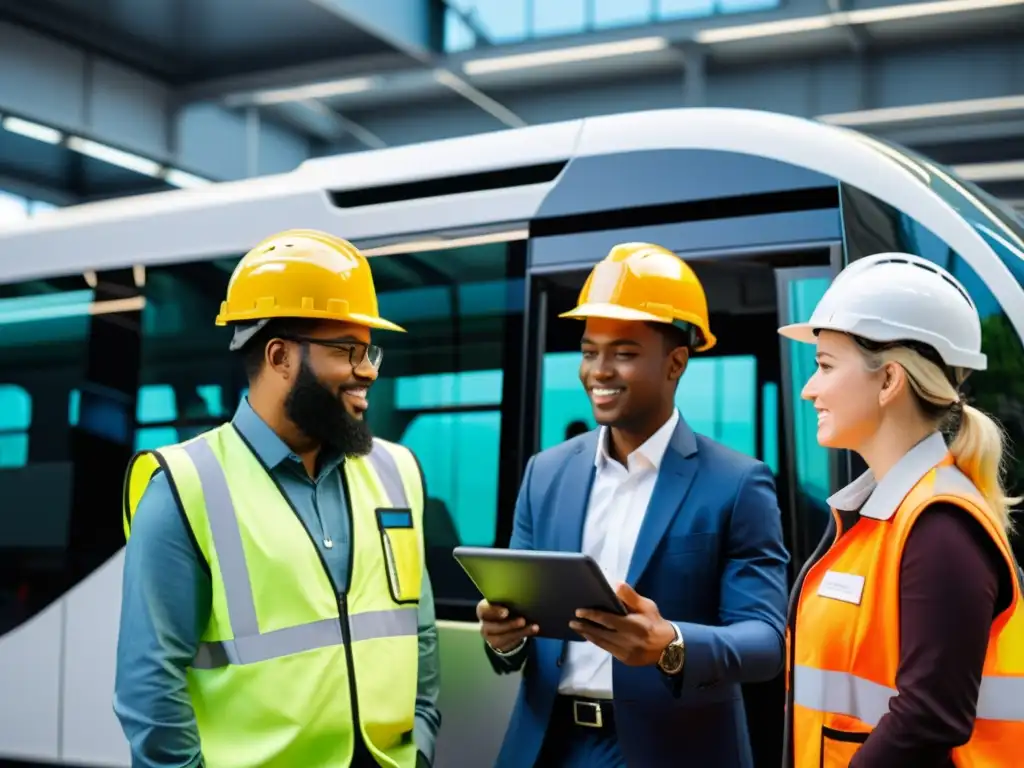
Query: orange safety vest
[{"x": 843, "y": 666}]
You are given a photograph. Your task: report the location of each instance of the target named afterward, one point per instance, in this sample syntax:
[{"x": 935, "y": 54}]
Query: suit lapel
[
  {"x": 574, "y": 494},
  {"x": 670, "y": 489}
]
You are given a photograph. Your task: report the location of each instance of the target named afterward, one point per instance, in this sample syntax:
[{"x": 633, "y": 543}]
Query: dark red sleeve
[{"x": 950, "y": 587}]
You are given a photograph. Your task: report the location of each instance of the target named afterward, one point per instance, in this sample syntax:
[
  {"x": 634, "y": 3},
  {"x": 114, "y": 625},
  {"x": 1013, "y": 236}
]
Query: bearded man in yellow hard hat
[
  {"x": 686, "y": 529},
  {"x": 276, "y": 611}
]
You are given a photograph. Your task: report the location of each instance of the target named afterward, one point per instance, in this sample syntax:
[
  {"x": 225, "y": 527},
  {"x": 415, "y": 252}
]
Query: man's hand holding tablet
[{"x": 502, "y": 633}]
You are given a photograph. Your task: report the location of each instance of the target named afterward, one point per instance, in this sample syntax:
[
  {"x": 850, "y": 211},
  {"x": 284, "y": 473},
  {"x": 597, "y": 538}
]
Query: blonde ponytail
[
  {"x": 979, "y": 443},
  {"x": 978, "y": 449}
]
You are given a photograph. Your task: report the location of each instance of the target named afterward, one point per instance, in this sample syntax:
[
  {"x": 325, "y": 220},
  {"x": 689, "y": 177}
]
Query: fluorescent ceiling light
[
  {"x": 966, "y": 107},
  {"x": 1011, "y": 170},
  {"x": 32, "y": 130},
  {"x": 441, "y": 244},
  {"x": 185, "y": 180},
  {"x": 919, "y": 10},
  {"x": 564, "y": 55},
  {"x": 323, "y": 90},
  {"x": 115, "y": 156},
  {"x": 766, "y": 29},
  {"x": 847, "y": 18}
]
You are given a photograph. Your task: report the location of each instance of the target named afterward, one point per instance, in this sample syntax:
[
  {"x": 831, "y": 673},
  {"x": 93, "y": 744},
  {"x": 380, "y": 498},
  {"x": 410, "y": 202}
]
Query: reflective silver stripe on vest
[
  {"x": 227, "y": 538},
  {"x": 1000, "y": 698},
  {"x": 251, "y": 646},
  {"x": 401, "y": 622},
  {"x": 387, "y": 470},
  {"x": 841, "y": 693}
]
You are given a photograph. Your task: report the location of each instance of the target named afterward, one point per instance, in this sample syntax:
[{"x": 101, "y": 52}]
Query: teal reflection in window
[
  {"x": 156, "y": 403},
  {"x": 812, "y": 470},
  {"x": 210, "y": 396},
  {"x": 448, "y": 389},
  {"x": 147, "y": 438},
  {"x": 770, "y": 419},
  {"x": 462, "y": 479},
  {"x": 15, "y": 420},
  {"x": 717, "y": 396}
]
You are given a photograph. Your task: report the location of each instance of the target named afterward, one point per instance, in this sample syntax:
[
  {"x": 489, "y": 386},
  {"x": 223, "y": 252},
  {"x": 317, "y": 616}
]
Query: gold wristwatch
[{"x": 674, "y": 656}]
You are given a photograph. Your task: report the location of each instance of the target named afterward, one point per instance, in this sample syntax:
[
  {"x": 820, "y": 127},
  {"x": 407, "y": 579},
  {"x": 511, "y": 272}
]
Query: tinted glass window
[
  {"x": 55, "y": 478},
  {"x": 717, "y": 396},
  {"x": 440, "y": 391},
  {"x": 812, "y": 464}
]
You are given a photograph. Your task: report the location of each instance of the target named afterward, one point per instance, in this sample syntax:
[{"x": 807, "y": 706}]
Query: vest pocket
[
  {"x": 401, "y": 554},
  {"x": 839, "y": 747}
]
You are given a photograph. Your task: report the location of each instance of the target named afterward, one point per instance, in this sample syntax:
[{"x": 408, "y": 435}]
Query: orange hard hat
[
  {"x": 647, "y": 283},
  {"x": 303, "y": 273}
]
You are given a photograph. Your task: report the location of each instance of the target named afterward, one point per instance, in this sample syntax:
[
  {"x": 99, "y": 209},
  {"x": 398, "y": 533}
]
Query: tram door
[{"x": 743, "y": 393}]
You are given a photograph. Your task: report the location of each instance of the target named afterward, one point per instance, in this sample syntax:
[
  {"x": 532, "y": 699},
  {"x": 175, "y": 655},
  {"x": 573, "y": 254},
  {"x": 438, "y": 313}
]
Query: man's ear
[
  {"x": 279, "y": 357},
  {"x": 679, "y": 358}
]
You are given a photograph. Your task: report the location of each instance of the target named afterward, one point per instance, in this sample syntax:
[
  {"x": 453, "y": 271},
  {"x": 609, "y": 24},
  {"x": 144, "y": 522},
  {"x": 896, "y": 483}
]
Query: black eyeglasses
[{"x": 357, "y": 350}]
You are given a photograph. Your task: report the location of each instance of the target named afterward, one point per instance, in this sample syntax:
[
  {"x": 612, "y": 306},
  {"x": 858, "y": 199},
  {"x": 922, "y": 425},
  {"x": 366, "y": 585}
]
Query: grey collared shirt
[{"x": 880, "y": 500}]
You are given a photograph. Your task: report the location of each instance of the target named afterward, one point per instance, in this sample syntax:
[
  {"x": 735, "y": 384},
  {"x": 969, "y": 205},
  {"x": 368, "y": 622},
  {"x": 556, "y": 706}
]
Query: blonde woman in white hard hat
[{"x": 905, "y": 631}]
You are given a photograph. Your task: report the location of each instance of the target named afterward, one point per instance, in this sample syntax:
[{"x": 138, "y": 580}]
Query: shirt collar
[
  {"x": 879, "y": 501},
  {"x": 650, "y": 454},
  {"x": 268, "y": 447}
]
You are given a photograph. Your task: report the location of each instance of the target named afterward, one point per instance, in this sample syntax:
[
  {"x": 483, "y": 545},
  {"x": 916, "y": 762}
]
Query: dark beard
[{"x": 321, "y": 416}]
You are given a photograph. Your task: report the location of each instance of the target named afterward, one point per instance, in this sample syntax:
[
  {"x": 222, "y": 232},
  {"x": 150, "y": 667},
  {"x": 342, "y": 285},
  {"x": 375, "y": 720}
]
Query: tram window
[
  {"x": 44, "y": 339},
  {"x": 717, "y": 396},
  {"x": 770, "y": 420},
  {"x": 439, "y": 391},
  {"x": 15, "y": 419},
  {"x": 812, "y": 463}
]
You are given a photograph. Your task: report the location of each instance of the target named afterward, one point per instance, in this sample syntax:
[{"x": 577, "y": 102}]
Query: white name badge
[{"x": 848, "y": 587}]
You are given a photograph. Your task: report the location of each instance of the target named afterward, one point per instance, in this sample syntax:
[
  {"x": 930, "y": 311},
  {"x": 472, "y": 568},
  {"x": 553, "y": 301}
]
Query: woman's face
[{"x": 844, "y": 393}]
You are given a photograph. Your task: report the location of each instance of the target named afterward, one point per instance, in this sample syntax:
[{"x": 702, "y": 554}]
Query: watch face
[{"x": 672, "y": 658}]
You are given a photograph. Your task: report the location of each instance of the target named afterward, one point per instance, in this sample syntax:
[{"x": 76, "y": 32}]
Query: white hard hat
[{"x": 899, "y": 297}]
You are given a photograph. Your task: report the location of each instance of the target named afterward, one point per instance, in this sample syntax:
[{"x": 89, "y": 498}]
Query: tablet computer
[{"x": 545, "y": 588}]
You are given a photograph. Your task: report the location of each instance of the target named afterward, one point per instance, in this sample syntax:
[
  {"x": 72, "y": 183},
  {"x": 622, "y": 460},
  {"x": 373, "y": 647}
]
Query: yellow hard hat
[
  {"x": 303, "y": 273},
  {"x": 648, "y": 283}
]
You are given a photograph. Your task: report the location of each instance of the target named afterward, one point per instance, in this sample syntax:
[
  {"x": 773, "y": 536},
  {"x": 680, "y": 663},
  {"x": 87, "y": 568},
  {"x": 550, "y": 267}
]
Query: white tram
[{"x": 107, "y": 344}]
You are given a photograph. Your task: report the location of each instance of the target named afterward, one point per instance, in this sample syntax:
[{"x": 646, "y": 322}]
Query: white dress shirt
[{"x": 618, "y": 503}]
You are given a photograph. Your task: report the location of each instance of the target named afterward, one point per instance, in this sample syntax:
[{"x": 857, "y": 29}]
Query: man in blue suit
[{"x": 689, "y": 530}]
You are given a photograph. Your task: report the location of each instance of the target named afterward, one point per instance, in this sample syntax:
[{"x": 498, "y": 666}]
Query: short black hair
[
  {"x": 675, "y": 337},
  {"x": 253, "y": 351}
]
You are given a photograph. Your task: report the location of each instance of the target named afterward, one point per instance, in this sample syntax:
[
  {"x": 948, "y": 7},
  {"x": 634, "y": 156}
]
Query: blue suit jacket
[{"x": 710, "y": 554}]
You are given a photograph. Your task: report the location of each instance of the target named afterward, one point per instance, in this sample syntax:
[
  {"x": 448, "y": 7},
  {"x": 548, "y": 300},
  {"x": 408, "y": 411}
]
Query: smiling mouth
[
  {"x": 357, "y": 396},
  {"x": 605, "y": 395}
]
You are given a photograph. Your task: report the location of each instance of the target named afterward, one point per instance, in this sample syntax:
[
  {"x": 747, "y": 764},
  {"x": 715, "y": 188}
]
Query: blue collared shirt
[{"x": 166, "y": 605}]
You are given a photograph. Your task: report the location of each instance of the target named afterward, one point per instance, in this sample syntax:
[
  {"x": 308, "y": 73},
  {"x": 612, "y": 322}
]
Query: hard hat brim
[
  {"x": 372, "y": 322},
  {"x": 618, "y": 312},
  {"x": 803, "y": 332},
  {"x": 613, "y": 312},
  {"x": 355, "y": 318}
]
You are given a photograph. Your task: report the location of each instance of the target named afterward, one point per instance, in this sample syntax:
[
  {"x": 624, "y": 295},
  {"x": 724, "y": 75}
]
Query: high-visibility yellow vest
[
  {"x": 287, "y": 669},
  {"x": 846, "y": 652}
]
